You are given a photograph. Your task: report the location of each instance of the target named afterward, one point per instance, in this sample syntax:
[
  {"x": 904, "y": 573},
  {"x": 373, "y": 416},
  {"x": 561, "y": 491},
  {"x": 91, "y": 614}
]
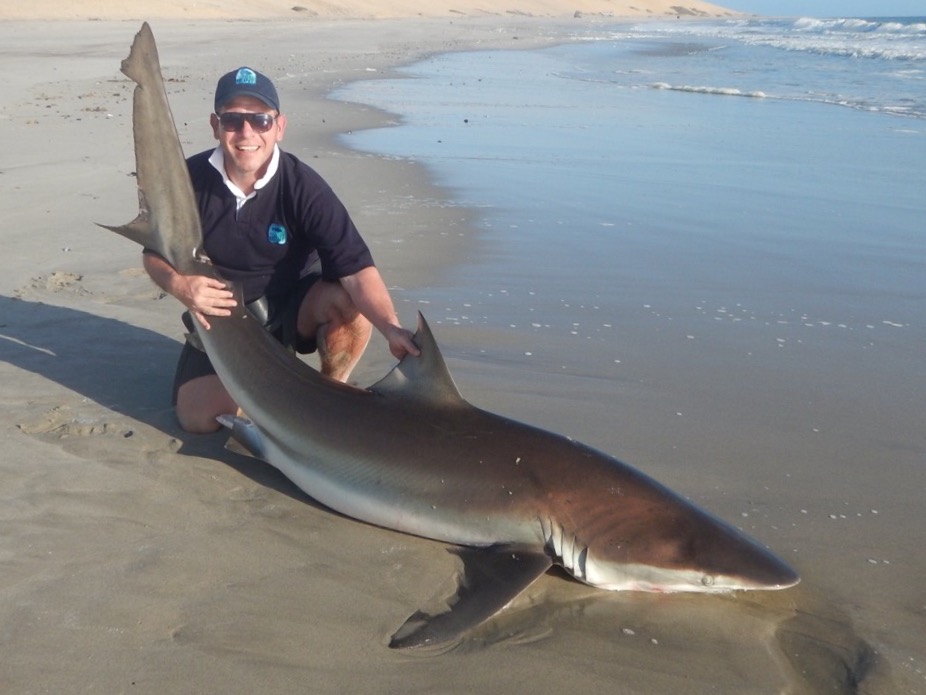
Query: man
[{"x": 273, "y": 225}]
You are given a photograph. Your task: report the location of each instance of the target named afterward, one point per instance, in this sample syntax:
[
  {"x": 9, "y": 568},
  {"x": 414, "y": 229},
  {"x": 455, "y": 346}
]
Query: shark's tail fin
[
  {"x": 168, "y": 219},
  {"x": 144, "y": 53},
  {"x": 140, "y": 229}
]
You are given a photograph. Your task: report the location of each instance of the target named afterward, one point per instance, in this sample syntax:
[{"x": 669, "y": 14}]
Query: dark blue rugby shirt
[{"x": 279, "y": 233}]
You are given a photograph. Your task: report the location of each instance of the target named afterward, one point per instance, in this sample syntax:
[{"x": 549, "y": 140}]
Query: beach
[{"x": 137, "y": 558}]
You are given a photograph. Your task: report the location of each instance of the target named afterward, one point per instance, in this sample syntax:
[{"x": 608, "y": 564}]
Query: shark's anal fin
[
  {"x": 245, "y": 438},
  {"x": 491, "y": 578}
]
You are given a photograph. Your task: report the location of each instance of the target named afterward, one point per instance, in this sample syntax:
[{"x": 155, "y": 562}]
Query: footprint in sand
[
  {"x": 138, "y": 286},
  {"x": 57, "y": 281},
  {"x": 98, "y": 434},
  {"x": 60, "y": 423}
]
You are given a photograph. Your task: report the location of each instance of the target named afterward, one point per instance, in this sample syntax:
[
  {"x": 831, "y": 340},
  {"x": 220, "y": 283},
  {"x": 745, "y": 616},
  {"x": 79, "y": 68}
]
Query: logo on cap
[
  {"x": 276, "y": 234},
  {"x": 246, "y": 76}
]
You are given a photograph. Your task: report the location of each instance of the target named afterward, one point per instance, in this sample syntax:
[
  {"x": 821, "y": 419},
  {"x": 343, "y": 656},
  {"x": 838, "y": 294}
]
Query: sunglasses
[{"x": 233, "y": 121}]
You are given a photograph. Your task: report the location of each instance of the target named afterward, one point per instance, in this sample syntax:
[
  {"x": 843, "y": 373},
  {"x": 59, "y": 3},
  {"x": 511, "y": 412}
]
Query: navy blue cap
[{"x": 245, "y": 82}]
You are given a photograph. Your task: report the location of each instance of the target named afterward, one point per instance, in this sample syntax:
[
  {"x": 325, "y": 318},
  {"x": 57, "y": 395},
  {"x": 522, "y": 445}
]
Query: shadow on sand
[{"x": 124, "y": 368}]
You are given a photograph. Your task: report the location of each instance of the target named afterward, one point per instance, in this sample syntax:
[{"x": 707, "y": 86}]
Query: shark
[{"x": 410, "y": 454}]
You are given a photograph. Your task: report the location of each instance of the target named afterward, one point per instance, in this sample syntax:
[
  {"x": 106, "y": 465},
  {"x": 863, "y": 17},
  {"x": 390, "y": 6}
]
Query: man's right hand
[{"x": 203, "y": 296}]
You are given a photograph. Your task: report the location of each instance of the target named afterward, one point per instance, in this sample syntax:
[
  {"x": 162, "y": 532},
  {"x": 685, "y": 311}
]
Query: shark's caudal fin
[
  {"x": 491, "y": 578},
  {"x": 168, "y": 218},
  {"x": 143, "y": 55},
  {"x": 138, "y": 230},
  {"x": 424, "y": 378}
]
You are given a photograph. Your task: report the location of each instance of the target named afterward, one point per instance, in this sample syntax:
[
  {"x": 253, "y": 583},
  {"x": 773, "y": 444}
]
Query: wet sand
[{"x": 139, "y": 559}]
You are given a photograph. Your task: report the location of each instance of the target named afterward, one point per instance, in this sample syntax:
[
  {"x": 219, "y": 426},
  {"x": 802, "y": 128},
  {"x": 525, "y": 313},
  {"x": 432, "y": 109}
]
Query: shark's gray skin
[
  {"x": 168, "y": 219},
  {"x": 411, "y": 454}
]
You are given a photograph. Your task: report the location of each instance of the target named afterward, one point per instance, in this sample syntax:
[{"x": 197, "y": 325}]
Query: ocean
[{"x": 764, "y": 176}]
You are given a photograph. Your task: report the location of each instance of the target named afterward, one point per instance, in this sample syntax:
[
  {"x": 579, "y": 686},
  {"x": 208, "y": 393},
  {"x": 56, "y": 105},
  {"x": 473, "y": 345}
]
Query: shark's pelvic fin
[{"x": 245, "y": 437}]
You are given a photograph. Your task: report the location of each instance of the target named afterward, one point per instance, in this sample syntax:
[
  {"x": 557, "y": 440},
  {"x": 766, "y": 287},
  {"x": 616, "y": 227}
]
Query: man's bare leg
[
  {"x": 342, "y": 333},
  {"x": 200, "y": 401}
]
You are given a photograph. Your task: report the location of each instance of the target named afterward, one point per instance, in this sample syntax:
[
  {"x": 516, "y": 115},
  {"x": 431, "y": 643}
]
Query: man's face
[{"x": 247, "y": 151}]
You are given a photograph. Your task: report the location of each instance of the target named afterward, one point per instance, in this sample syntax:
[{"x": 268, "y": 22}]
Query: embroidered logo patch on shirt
[
  {"x": 276, "y": 234},
  {"x": 246, "y": 76}
]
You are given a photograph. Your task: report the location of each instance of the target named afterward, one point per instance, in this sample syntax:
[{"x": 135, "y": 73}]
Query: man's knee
[
  {"x": 327, "y": 304},
  {"x": 200, "y": 401}
]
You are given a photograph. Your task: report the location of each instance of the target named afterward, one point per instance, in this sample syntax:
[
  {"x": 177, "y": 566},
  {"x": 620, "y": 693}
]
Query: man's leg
[
  {"x": 200, "y": 401},
  {"x": 198, "y": 394},
  {"x": 341, "y": 331}
]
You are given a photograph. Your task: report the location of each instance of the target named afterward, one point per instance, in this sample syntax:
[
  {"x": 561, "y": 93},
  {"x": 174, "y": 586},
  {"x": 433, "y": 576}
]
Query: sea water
[{"x": 753, "y": 184}]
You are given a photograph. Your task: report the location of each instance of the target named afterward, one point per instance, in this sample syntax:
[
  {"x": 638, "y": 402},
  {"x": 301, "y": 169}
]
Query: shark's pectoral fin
[
  {"x": 245, "y": 437},
  {"x": 491, "y": 578}
]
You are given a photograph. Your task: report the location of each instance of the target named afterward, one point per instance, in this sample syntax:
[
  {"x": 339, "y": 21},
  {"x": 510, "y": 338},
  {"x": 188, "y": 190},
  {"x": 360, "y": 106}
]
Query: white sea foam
[
  {"x": 721, "y": 91},
  {"x": 856, "y": 38},
  {"x": 877, "y": 66}
]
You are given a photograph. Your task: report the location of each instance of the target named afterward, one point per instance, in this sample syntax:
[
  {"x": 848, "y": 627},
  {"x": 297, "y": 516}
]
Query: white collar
[{"x": 217, "y": 160}]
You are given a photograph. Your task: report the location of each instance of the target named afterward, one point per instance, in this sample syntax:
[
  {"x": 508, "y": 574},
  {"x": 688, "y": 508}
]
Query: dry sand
[
  {"x": 137, "y": 559},
  {"x": 354, "y": 9}
]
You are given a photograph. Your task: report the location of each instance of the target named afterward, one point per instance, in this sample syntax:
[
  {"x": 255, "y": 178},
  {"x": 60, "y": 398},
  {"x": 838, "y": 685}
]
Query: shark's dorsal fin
[{"x": 423, "y": 378}]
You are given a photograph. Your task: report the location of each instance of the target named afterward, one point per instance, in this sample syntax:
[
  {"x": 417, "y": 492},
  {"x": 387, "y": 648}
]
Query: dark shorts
[{"x": 280, "y": 321}]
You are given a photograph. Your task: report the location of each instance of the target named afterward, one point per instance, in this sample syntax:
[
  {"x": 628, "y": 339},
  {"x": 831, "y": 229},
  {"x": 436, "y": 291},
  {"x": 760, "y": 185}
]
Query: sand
[
  {"x": 354, "y": 9},
  {"x": 136, "y": 558}
]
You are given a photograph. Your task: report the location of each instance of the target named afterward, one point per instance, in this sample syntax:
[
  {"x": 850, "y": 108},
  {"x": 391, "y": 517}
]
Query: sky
[{"x": 829, "y": 8}]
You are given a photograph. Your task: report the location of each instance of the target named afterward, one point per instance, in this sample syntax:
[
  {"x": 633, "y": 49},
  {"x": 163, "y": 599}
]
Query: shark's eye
[{"x": 707, "y": 580}]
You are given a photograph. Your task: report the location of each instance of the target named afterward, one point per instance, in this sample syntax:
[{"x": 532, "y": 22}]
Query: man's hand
[
  {"x": 203, "y": 296},
  {"x": 400, "y": 342},
  {"x": 369, "y": 294}
]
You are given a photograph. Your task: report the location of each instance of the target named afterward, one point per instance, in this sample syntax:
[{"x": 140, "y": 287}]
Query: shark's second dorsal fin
[{"x": 424, "y": 378}]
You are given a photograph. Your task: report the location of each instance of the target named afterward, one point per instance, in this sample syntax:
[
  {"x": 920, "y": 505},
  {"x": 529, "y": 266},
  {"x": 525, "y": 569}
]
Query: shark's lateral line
[{"x": 411, "y": 454}]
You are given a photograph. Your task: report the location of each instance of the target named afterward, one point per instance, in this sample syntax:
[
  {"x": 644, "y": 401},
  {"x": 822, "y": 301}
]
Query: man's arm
[
  {"x": 370, "y": 295},
  {"x": 203, "y": 296}
]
